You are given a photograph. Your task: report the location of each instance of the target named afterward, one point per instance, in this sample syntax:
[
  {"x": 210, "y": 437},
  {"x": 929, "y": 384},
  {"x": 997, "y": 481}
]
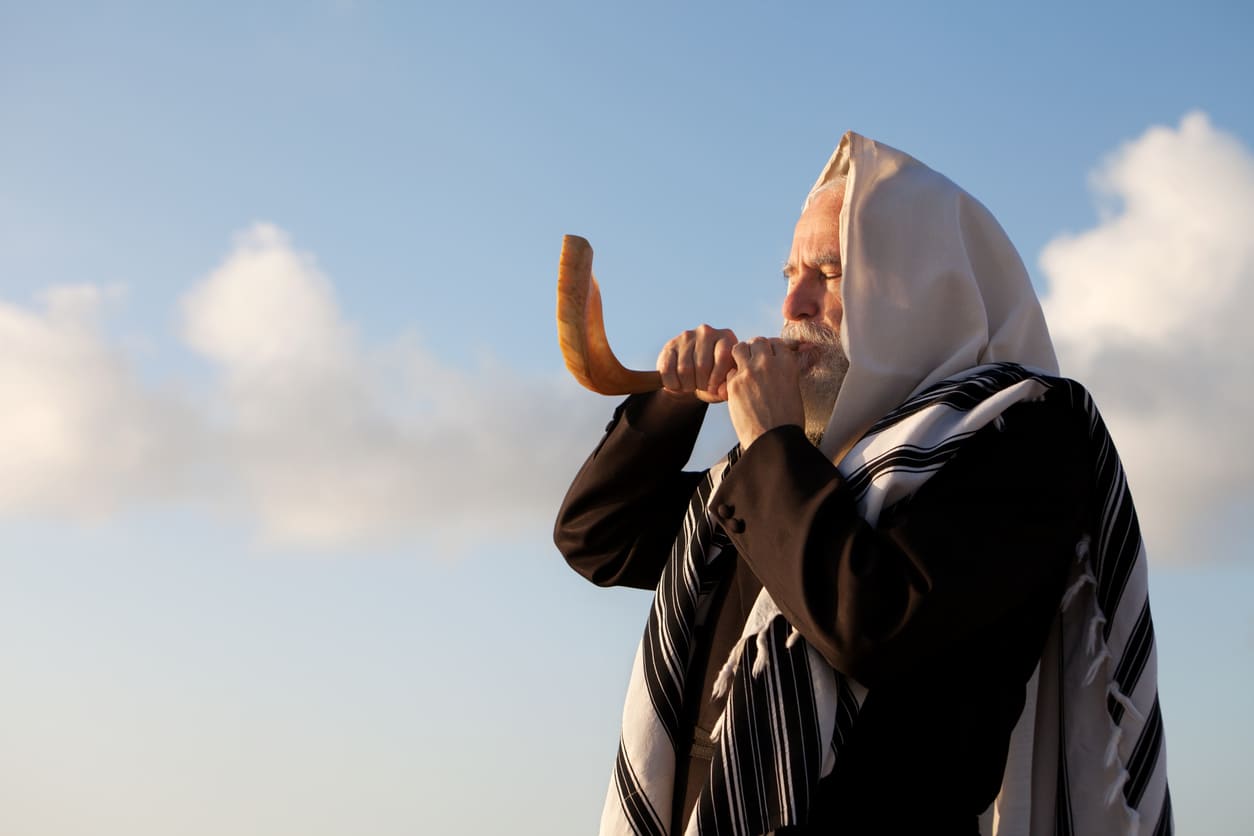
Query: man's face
[
  {"x": 814, "y": 264},
  {"x": 812, "y": 307}
]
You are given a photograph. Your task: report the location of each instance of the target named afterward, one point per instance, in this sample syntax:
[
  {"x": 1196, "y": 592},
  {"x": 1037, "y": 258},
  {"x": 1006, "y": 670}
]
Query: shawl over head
[
  {"x": 943, "y": 334},
  {"x": 932, "y": 286}
]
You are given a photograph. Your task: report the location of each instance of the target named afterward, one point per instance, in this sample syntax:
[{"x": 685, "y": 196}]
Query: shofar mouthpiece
[{"x": 581, "y": 328}]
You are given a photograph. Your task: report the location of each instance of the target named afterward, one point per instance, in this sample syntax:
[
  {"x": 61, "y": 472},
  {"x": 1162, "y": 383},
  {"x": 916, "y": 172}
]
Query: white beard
[{"x": 821, "y": 381}]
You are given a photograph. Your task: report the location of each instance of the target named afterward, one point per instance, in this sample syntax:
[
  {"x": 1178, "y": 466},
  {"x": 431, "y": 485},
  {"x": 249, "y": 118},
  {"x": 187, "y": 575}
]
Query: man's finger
[
  {"x": 761, "y": 347},
  {"x": 684, "y": 366},
  {"x": 723, "y": 363},
  {"x": 703, "y": 355},
  {"x": 666, "y": 366}
]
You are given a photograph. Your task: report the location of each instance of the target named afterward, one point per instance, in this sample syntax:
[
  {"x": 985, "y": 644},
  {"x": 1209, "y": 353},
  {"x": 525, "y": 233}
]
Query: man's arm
[
  {"x": 621, "y": 514},
  {"x": 623, "y": 510},
  {"x": 992, "y": 533}
]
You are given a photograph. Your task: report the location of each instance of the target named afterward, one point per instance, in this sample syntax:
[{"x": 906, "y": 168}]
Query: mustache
[{"x": 810, "y": 332}]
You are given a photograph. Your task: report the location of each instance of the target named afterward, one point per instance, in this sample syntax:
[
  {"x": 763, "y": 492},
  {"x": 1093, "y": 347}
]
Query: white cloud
[
  {"x": 1150, "y": 309},
  {"x": 341, "y": 445},
  {"x": 80, "y": 434},
  {"x": 327, "y": 442}
]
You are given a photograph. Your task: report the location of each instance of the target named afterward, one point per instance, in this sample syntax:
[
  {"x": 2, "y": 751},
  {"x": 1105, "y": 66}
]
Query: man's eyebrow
[{"x": 829, "y": 258}]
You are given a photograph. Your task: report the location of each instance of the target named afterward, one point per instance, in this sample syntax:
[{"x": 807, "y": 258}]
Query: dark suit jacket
[{"x": 941, "y": 609}]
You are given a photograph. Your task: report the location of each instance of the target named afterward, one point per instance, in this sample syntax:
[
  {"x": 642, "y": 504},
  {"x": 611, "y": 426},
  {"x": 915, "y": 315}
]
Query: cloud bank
[
  {"x": 327, "y": 442},
  {"x": 1151, "y": 308},
  {"x": 80, "y": 433}
]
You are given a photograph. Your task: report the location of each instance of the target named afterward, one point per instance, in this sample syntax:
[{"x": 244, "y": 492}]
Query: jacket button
[
  {"x": 736, "y": 526},
  {"x": 724, "y": 511}
]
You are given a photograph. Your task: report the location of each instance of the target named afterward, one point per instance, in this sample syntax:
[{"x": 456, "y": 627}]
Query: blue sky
[{"x": 285, "y": 423}]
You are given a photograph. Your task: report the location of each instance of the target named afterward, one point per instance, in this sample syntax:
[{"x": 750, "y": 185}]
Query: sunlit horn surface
[{"x": 581, "y": 328}]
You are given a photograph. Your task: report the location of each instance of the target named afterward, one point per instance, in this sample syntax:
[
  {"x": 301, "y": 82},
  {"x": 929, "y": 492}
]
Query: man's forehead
[
  {"x": 816, "y": 239},
  {"x": 824, "y": 204}
]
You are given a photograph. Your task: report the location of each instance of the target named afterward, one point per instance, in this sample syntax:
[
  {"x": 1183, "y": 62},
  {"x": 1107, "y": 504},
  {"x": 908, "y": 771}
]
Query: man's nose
[{"x": 801, "y": 302}]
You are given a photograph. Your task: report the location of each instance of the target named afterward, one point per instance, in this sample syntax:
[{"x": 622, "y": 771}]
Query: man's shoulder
[
  {"x": 1058, "y": 411},
  {"x": 1042, "y": 438}
]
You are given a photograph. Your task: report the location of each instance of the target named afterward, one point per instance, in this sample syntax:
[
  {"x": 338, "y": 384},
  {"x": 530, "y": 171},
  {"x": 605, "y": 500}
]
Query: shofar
[{"x": 581, "y": 328}]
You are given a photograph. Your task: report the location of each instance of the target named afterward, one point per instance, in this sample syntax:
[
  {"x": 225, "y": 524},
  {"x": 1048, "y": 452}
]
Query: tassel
[
  {"x": 717, "y": 731},
  {"x": 793, "y": 638},
  {"x": 1097, "y": 663},
  {"x": 1112, "y": 748},
  {"x": 1123, "y": 699},
  {"x": 1116, "y": 787},
  {"x": 1075, "y": 588},
  {"x": 1098, "y": 621},
  {"x": 1134, "y": 822},
  {"x": 763, "y": 657},
  {"x": 722, "y": 685},
  {"x": 1082, "y": 548}
]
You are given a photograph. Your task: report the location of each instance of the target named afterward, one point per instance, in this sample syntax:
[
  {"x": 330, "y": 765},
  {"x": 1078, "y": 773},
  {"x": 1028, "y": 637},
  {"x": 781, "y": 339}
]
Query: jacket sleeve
[
  {"x": 624, "y": 508},
  {"x": 991, "y": 533}
]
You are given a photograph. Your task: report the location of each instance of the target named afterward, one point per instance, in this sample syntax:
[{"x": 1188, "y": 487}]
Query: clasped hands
[{"x": 758, "y": 379}]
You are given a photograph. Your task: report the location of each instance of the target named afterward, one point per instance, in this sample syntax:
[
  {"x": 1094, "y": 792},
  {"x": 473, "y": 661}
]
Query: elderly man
[{"x": 915, "y": 592}]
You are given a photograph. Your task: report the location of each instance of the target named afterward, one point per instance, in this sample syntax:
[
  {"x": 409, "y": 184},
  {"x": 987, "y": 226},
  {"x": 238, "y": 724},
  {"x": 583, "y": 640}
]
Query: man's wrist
[{"x": 661, "y": 410}]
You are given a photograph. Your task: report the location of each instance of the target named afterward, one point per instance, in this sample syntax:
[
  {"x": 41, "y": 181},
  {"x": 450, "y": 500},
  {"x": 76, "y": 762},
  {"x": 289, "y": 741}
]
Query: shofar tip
[{"x": 581, "y": 327}]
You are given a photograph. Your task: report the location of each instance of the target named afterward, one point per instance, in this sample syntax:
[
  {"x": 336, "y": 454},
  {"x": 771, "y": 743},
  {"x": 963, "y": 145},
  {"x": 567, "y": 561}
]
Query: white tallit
[
  {"x": 932, "y": 286},
  {"x": 913, "y": 242},
  {"x": 940, "y": 321}
]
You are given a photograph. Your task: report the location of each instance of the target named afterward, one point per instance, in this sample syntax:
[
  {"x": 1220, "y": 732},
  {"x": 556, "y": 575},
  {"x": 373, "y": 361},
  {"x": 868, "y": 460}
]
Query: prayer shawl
[
  {"x": 1098, "y": 764},
  {"x": 936, "y": 303}
]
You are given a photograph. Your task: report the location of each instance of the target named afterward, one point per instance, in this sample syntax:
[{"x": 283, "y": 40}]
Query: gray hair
[{"x": 837, "y": 183}]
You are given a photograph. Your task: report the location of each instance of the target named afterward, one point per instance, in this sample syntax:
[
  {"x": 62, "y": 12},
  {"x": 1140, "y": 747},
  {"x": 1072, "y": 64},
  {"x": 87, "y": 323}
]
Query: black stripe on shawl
[
  {"x": 795, "y": 678},
  {"x": 1118, "y": 539},
  {"x": 1135, "y": 655},
  {"x": 963, "y": 394},
  {"x": 636, "y": 806},
  {"x": 1144, "y": 756},
  {"x": 770, "y": 753},
  {"x": 907, "y": 457},
  {"x": 1064, "y": 824},
  {"x": 1164, "y": 826},
  {"x": 1114, "y": 555},
  {"x": 668, "y": 635},
  {"x": 1119, "y": 534},
  {"x": 846, "y": 714}
]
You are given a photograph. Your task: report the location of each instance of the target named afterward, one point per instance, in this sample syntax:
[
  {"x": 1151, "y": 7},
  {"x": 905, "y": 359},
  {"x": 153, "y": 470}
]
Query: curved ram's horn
[{"x": 581, "y": 329}]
